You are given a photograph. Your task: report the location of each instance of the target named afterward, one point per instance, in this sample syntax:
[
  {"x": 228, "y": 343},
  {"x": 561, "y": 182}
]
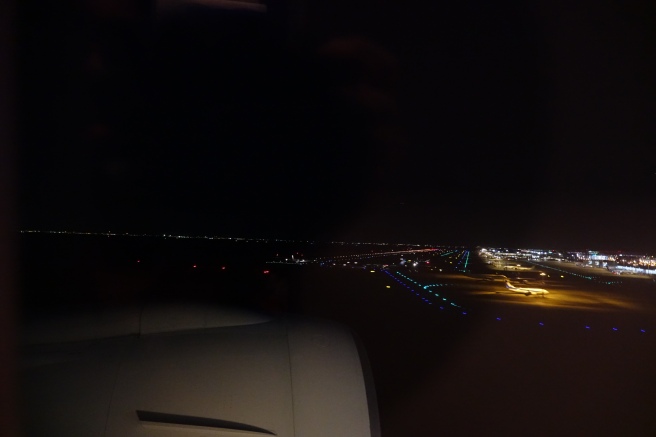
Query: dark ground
[{"x": 436, "y": 372}]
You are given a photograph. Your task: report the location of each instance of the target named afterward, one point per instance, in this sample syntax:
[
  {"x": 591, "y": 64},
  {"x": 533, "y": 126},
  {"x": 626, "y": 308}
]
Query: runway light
[
  {"x": 387, "y": 286},
  {"x": 541, "y": 324},
  {"x": 498, "y": 318},
  {"x": 614, "y": 329},
  {"x": 643, "y": 331},
  {"x": 587, "y": 327}
]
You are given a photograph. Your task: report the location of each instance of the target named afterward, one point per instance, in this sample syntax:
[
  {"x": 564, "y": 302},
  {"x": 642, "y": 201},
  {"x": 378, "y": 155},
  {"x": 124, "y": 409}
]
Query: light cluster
[
  {"x": 216, "y": 237},
  {"x": 443, "y": 303},
  {"x": 429, "y": 296}
]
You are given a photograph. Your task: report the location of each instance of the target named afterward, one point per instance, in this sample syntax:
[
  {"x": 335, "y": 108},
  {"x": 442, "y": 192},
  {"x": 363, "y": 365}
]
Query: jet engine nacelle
[{"x": 178, "y": 370}]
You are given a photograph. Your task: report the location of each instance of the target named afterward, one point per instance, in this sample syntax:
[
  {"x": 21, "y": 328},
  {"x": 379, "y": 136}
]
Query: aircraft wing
[{"x": 187, "y": 370}]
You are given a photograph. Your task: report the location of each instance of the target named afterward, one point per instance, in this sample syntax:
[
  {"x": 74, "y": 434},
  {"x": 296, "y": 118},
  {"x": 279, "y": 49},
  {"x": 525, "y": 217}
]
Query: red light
[
  {"x": 222, "y": 267},
  {"x": 266, "y": 272},
  {"x": 194, "y": 265},
  {"x": 138, "y": 260}
]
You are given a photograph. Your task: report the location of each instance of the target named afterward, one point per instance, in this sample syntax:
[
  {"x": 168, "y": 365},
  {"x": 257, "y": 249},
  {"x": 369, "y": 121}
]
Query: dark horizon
[{"x": 300, "y": 240}]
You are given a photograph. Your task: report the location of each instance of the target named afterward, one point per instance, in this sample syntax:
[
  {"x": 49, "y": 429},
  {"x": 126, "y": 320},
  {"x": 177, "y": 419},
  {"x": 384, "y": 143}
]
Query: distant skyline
[{"x": 238, "y": 238}]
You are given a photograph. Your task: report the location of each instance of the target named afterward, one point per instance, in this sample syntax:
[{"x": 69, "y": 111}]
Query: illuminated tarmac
[
  {"x": 570, "y": 287},
  {"x": 458, "y": 284},
  {"x": 561, "y": 295}
]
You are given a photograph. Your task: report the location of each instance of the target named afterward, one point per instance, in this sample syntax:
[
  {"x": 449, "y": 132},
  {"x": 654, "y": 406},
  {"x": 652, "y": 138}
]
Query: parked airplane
[{"x": 526, "y": 290}]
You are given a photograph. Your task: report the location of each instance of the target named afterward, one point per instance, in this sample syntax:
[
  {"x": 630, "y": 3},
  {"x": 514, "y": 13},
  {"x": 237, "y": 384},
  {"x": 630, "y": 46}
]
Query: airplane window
[{"x": 467, "y": 189}]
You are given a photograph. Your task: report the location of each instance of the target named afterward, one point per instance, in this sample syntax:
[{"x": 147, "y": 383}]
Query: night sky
[{"x": 472, "y": 123}]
